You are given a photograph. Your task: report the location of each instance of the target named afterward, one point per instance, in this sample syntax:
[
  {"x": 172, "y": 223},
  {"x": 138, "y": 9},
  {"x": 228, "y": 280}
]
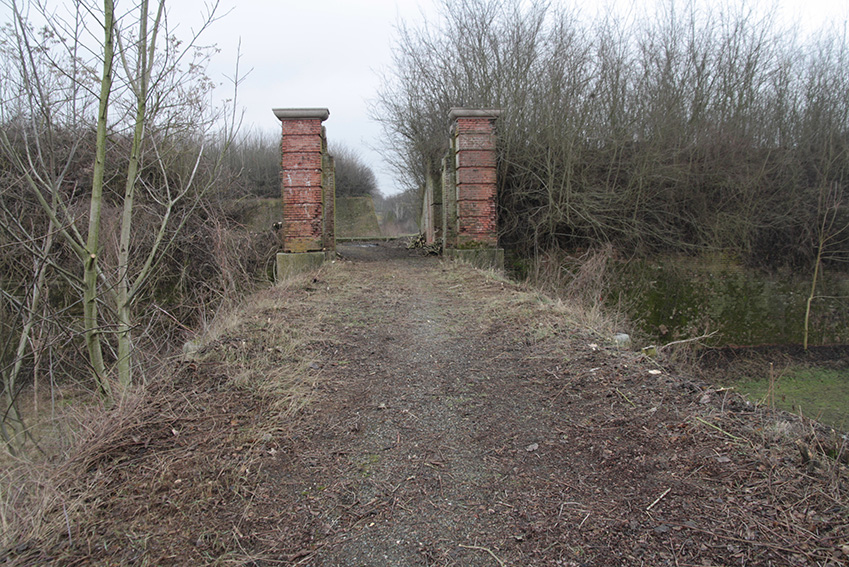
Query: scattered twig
[
  {"x": 659, "y": 498},
  {"x": 757, "y": 543},
  {"x": 732, "y": 436},
  {"x": 626, "y": 398},
  {"x": 563, "y": 389},
  {"x": 682, "y": 341},
  {"x": 479, "y": 548},
  {"x": 394, "y": 490},
  {"x": 68, "y": 524},
  {"x": 306, "y": 555}
]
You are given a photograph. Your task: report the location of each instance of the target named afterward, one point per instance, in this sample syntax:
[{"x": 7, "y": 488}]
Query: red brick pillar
[
  {"x": 475, "y": 174},
  {"x": 301, "y": 178}
]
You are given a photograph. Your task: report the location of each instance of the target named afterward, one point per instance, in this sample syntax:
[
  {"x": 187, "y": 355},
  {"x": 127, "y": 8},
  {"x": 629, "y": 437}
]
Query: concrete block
[
  {"x": 290, "y": 264},
  {"x": 304, "y": 113},
  {"x": 484, "y": 258}
]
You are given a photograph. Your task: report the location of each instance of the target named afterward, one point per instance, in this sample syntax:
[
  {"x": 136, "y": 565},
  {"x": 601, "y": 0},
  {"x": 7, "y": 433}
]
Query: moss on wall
[{"x": 356, "y": 217}]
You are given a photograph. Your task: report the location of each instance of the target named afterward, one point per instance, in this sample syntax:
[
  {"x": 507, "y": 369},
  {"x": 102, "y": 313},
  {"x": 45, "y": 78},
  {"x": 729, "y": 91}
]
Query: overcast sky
[
  {"x": 330, "y": 53},
  {"x": 319, "y": 53}
]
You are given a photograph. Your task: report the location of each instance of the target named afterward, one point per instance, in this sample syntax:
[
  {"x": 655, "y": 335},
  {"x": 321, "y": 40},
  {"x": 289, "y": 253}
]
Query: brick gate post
[
  {"x": 471, "y": 231},
  {"x": 305, "y": 197}
]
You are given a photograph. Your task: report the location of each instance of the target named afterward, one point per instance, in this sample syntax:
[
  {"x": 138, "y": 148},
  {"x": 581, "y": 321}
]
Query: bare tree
[
  {"x": 688, "y": 129},
  {"x": 354, "y": 178},
  {"x": 832, "y": 238},
  {"x": 123, "y": 126},
  {"x": 254, "y": 160}
]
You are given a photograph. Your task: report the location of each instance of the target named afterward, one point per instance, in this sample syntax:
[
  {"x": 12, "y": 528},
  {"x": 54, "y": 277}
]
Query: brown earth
[{"x": 414, "y": 412}]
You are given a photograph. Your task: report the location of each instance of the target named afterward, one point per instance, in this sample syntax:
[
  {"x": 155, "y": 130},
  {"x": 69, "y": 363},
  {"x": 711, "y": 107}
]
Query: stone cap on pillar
[
  {"x": 459, "y": 112},
  {"x": 301, "y": 113}
]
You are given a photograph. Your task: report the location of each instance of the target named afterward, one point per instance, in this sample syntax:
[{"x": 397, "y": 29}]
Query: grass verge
[{"x": 819, "y": 393}]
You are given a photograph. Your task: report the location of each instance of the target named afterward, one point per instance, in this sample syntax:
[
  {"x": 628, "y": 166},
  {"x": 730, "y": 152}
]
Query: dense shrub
[{"x": 692, "y": 128}]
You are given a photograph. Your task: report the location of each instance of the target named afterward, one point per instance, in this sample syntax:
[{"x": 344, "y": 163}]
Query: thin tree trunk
[
  {"x": 146, "y": 48},
  {"x": 91, "y": 322},
  {"x": 811, "y": 298}
]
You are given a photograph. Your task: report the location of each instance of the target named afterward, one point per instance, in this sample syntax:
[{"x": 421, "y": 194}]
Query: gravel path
[{"x": 399, "y": 410}]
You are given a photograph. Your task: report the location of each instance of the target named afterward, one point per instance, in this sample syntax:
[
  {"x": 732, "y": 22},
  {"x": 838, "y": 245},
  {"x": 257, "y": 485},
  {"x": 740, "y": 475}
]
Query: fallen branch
[
  {"x": 718, "y": 428},
  {"x": 682, "y": 341}
]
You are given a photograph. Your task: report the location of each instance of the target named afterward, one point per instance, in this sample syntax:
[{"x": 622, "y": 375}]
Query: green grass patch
[{"x": 820, "y": 393}]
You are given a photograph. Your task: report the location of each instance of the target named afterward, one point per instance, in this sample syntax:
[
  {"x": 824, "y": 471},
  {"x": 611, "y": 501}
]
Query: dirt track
[{"x": 454, "y": 419}]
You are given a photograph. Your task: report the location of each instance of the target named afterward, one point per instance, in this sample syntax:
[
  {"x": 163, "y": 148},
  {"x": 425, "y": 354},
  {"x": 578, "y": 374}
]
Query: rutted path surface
[
  {"x": 453, "y": 419},
  {"x": 415, "y": 427},
  {"x": 462, "y": 421}
]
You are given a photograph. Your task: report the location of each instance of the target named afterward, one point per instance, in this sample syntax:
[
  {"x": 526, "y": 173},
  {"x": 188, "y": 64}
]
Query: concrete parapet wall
[
  {"x": 356, "y": 217},
  {"x": 484, "y": 258}
]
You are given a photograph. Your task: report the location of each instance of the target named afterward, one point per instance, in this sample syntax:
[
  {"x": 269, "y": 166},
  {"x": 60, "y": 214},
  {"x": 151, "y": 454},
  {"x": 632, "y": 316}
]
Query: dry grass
[
  {"x": 262, "y": 356},
  {"x": 264, "y": 352},
  {"x": 42, "y": 495},
  {"x": 575, "y": 288}
]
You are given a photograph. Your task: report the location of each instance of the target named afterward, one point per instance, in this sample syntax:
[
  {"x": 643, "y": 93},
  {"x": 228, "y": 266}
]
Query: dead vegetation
[{"x": 416, "y": 412}]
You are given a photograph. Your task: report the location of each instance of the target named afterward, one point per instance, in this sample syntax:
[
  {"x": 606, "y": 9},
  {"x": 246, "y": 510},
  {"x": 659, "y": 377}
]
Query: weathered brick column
[
  {"x": 301, "y": 177},
  {"x": 474, "y": 134},
  {"x": 305, "y": 197},
  {"x": 470, "y": 217}
]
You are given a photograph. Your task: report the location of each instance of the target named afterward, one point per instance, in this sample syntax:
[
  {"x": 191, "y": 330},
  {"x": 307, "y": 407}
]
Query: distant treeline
[{"x": 693, "y": 128}]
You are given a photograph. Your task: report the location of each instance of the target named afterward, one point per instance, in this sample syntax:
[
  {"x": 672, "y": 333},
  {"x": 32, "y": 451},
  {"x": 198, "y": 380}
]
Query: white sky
[
  {"x": 311, "y": 53},
  {"x": 329, "y": 53}
]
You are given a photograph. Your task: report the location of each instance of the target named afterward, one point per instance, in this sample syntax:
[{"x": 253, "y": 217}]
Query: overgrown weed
[
  {"x": 44, "y": 496},
  {"x": 579, "y": 285}
]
